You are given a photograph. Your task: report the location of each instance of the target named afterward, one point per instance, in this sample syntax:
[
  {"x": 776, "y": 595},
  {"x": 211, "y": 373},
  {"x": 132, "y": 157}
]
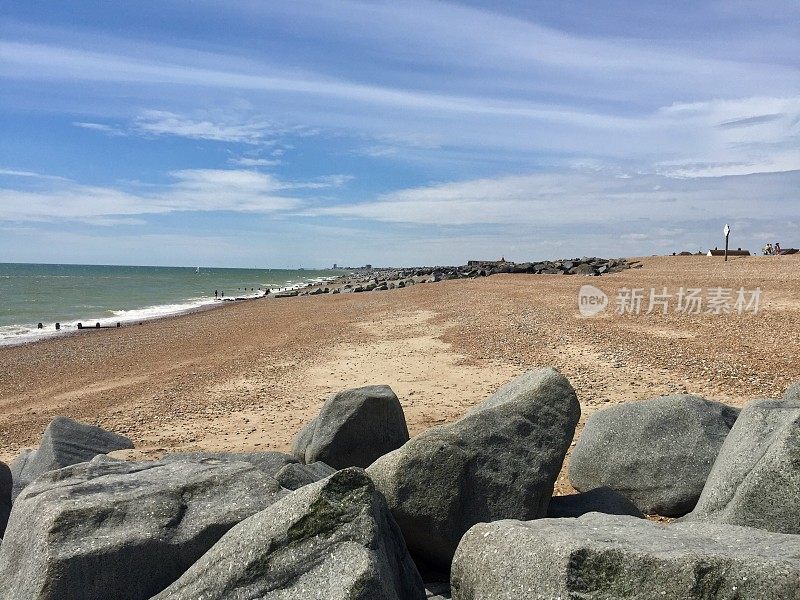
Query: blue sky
[{"x": 306, "y": 133}]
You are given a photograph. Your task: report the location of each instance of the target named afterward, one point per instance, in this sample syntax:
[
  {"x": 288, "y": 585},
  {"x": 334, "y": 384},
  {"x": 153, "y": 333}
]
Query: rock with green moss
[
  {"x": 115, "y": 529},
  {"x": 603, "y": 557},
  {"x": 331, "y": 540},
  {"x": 500, "y": 461}
]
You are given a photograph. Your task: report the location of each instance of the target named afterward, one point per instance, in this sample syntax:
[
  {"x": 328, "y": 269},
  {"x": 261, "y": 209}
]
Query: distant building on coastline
[
  {"x": 486, "y": 263},
  {"x": 737, "y": 252}
]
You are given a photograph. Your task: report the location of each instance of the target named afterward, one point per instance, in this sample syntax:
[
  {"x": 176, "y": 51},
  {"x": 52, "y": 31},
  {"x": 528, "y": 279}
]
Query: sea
[{"x": 70, "y": 294}]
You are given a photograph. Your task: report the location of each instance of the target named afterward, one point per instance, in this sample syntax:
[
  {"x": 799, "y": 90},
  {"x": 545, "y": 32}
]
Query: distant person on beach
[
  {"x": 216, "y": 294},
  {"x": 767, "y": 250},
  {"x": 777, "y": 249}
]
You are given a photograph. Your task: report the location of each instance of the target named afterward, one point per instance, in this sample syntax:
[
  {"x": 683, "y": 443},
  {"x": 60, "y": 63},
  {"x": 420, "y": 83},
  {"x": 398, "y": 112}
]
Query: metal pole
[{"x": 727, "y": 232}]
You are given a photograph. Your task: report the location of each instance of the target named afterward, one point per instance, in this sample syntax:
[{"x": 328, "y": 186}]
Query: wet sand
[{"x": 248, "y": 376}]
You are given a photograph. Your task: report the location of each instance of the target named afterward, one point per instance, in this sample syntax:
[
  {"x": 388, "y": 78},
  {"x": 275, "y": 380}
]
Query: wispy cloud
[
  {"x": 472, "y": 42},
  {"x": 197, "y": 190},
  {"x": 579, "y": 198},
  {"x": 254, "y": 162},
  {"x": 231, "y": 128},
  {"x": 115, "y": 221},
  {"x": 38, "y": 61},
  {"x": 748, "y": 121},
  {"x": 101, "y": 127},
  {"x": 337, "y": 180},
  {"x": 599, "y": 102},
  {"x": 28, "y": 175},
  {"x": 160, "y": 122},
  {"x": 735, "y": 137}
]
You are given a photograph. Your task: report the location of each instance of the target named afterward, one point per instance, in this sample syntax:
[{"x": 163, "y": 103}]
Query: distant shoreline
[
  {"x": 88, "y": 294},
  {"x": 356, "y": 281}
]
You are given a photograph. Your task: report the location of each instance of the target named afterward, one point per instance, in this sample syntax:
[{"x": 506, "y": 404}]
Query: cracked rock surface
[{"x": 114, "y": 529}]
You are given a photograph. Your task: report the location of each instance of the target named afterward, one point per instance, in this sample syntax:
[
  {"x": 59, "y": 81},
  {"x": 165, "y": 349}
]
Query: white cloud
[
  {"x": 160, "y": 122},
  {"x": 742, "y": 136},
  {"x": 335, "y": 180},
  {"x": 28, "y": 174},
  {"x": 378, "y": 151},
  {"x": 471, "y": 43},
  {"x": 757, "y": 162},
  {"x": 38, "y": 61},
  {"x": 555, "y": 214},
  {"x": 116, "y": 221},
  {"x": 101, "y": 127},
  {"x": 228, "y": 126},
  {"x": 580, "y": 198},
  {"x": 193, "y": 190},
  {"x": 254, "y": 162},
  {"x": 231, "y": 128},
  {"x": 535, "y": 89}
]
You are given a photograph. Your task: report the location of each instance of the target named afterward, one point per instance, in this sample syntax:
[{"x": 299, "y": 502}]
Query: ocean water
[{"x": 68, "y": 294}]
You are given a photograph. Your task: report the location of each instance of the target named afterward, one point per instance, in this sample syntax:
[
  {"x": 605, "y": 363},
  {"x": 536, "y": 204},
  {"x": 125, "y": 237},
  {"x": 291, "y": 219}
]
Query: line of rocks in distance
[{"x": 382, "y": 279}]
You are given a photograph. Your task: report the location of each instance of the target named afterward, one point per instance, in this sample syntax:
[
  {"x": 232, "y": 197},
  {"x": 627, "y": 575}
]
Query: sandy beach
[{"x": 248, "y": 376}]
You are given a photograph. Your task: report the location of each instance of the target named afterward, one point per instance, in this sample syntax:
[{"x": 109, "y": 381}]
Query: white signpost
[{"x": 727, "y": 232}]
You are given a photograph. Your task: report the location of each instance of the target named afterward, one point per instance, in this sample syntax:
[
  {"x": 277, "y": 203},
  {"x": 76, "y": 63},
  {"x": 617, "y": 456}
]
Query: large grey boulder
[
  {"x": 606, "y": 557},
  {"x": 756, "y": 477},
  {"x": 354, "y": 428},
  {"x": 115, "y": 529},
  {"x": 295, "y": 476},
  {"x": 499, "y": 461},
  {"x": 657, "y": 453},
  {"x": 64, "y": 442},
  {"x": 331, "y": 540},
  {"x": 602, "y": 500},
  {"x": 793, "y": 393}
]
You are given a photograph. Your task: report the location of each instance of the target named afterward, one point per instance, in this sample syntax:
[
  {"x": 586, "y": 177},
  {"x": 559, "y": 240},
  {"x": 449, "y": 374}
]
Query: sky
[{"x": 307, "y": 133}]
